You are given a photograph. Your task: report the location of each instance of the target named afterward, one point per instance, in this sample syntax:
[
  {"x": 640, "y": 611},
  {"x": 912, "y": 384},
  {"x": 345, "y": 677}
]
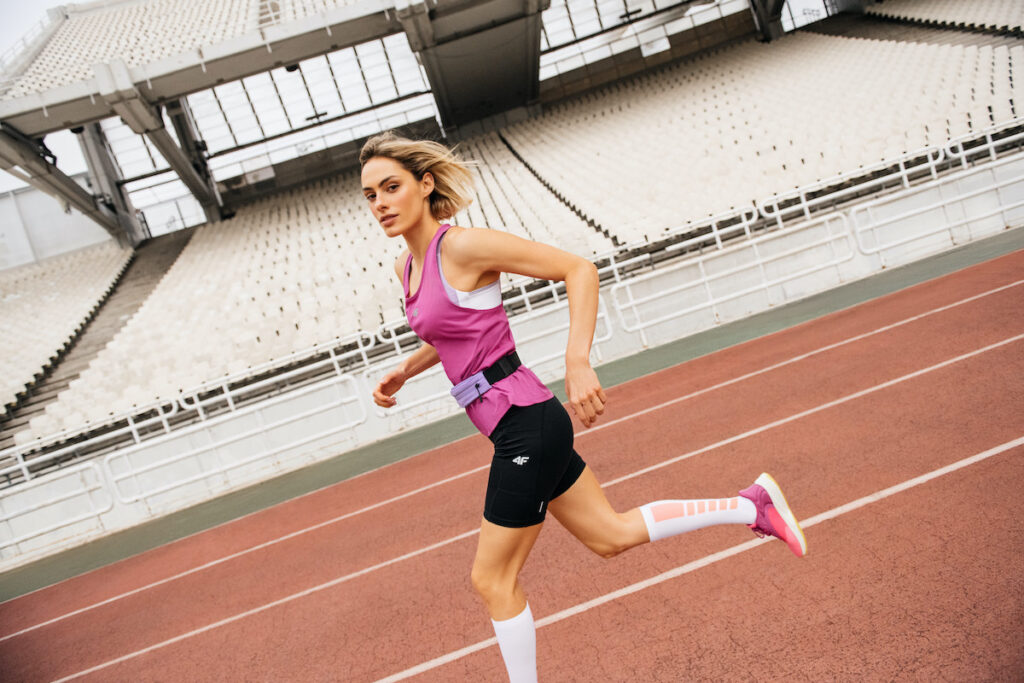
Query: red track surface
[{"x": 926, "y": 582}]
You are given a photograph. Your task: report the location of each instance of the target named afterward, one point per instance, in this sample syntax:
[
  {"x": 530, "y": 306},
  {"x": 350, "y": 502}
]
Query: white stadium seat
[
  {"x": 989, "y": 14},
  {"x": 746, "y": 122},
  {"x": 42, "y": 306}
]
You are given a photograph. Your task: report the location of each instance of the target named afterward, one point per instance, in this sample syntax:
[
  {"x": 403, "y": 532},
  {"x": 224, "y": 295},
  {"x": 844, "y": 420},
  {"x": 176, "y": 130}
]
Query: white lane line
[
  {"x": 803, "y": 356},
  {"x": 816, "y": 409},
  {"x": 469, "y": 534},
  {"x": 708, "y": 560},
  {"x": 320, "y": 525},
  {"x": 240, "y": 553},
  {"x": 262, "y": 608}
]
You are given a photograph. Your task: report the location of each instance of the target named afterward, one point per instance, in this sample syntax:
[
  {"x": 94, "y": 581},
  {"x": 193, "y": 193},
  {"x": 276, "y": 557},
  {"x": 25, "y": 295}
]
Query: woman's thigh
[
  {"x": 501, "y": 551},
  {"x": 585, "y": 511}
]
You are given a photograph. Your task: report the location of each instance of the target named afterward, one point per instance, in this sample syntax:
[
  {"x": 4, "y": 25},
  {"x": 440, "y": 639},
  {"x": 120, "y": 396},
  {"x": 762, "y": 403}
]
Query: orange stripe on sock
[
  {"x": 700, "y": 507},
  {"x": 691, "y": 508},
  {"x": 734, "y": 503},
  {"x": 668, "y": 511}
]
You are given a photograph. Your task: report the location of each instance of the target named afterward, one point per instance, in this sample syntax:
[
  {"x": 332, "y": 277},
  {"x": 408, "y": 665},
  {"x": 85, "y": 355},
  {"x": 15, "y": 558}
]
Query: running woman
[{"x": 450, "y": 279}]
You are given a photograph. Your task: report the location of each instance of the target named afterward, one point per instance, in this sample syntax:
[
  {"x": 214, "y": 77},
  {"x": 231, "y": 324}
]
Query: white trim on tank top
[{"x": 480, "y": 299}]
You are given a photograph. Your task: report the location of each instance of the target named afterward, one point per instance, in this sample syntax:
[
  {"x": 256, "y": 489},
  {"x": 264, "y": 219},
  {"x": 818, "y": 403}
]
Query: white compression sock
[
  {"x": 517, "y": 639},
  {"x": 666, "y": 518}
]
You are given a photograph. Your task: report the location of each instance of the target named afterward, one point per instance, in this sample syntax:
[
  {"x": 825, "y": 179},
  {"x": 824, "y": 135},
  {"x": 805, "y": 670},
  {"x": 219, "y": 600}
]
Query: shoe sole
[{"x": 769, "y": 484}]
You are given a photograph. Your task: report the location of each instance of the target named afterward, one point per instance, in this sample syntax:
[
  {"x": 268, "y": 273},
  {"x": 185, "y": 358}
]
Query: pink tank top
[{"x": 470, "y": 332}]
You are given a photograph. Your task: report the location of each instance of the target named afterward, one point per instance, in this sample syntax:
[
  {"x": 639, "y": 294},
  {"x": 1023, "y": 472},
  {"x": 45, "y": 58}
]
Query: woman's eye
[{"x": 392, "y": 188}]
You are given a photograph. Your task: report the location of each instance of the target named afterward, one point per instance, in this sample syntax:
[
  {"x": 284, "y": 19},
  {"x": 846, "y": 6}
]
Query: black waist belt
[
  {"x": 477, "y": 384},
  {"x": 502, "y": 368}
]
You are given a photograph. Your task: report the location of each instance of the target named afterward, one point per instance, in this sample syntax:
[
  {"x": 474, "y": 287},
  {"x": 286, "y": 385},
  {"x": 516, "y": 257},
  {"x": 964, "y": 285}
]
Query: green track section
[{"x": 231, "y": 506}]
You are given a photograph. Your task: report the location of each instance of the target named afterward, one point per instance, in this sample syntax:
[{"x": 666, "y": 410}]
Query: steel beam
[
  {"x": 768, "y": 17},
  {"x": 119, "y": 92},
  {"x": 30, "y": 161},
  {"x": 105, "y": 176}
]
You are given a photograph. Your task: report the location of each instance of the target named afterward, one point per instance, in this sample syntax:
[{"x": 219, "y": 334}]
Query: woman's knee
[
  {"x": 491, "y": 585},
  {"x": 618, "y": 536},
  {"x": 608, "y": 548}
]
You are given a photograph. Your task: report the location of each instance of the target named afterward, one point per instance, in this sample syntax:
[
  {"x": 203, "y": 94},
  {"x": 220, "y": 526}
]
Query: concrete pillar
[{"x": 104, "y": 175}]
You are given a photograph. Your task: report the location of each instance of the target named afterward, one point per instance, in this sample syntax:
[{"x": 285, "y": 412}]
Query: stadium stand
[
  {"x": 994, "y": 15},
  {"x": 148, "y": 265},
  {"x": 288, "y": 273},
  {"x": 880, "y": 27},
  {"x": 145, "y": 32},
  {"x": 513, "y": 199},
  {"x": 307, "y": 267},
  {"x": 44, "y": 305},
  {"x": 137, "y": 33},
  {"x": 735, "y": 125}
]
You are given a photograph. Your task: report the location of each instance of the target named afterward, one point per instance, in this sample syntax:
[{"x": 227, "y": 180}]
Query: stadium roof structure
[{"x": 187, "y": 78}]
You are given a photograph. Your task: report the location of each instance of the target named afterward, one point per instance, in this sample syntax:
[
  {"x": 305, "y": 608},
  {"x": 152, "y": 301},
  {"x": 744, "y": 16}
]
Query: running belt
[{"x": 479, "y": 383}]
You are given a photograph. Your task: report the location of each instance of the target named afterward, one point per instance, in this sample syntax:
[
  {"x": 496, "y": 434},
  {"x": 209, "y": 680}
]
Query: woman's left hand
[{"x": 586, "y": 397}]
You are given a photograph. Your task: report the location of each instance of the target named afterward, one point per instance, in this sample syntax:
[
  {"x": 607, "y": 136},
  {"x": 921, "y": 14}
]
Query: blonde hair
[{"x": 453, "y": 183}]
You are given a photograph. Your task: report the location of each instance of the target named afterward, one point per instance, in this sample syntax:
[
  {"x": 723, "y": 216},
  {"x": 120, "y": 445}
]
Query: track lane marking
[
  {"x": 708, "y": 560},
  {"x": 473, "y": 532}
]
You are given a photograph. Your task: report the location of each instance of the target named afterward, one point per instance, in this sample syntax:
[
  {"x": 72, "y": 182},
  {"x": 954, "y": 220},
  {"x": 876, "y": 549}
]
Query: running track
[{"x": 895, "y": 427}]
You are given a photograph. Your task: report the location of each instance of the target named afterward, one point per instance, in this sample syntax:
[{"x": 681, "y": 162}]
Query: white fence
[
  {"x": 902, "y": 227},
  {"x": 233, "y": 444},
  {"x": 735, "y": 282}
]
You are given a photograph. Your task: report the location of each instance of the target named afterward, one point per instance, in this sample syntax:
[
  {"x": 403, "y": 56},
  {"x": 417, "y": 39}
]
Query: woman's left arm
[{"x": 480, "y": 250}]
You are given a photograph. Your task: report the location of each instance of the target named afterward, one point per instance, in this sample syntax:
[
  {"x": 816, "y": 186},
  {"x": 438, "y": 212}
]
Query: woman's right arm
[{"x": 420, "y": 359}]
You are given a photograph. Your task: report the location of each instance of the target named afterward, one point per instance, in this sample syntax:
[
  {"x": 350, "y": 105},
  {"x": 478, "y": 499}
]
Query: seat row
[
  {"x": 43, "y": 305},
  {"x": 717, "y": 133},
  {"x": 990, "y": 14},
  {"x": 289, "y": 272}
]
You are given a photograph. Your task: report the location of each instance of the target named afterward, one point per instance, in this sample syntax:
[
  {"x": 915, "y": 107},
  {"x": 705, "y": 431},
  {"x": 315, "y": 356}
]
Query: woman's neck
[{"x": 418, "y": 238}]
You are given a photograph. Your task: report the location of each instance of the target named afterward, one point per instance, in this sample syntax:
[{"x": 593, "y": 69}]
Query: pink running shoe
[{"x": 774, "y": 518}]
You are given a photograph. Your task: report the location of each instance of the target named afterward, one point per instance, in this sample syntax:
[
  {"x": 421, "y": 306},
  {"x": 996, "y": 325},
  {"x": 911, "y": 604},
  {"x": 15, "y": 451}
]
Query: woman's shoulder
[
  {"x": 400, "y": 263},
  {"x": 465, "y": 235}
]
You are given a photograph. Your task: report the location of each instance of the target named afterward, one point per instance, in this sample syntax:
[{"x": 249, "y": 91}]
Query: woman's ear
[{"x": 427, "y": 184}]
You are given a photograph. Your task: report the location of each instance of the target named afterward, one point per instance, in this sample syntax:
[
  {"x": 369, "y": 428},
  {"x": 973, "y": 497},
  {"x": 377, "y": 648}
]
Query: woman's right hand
[{"x": 389, "y": 385}]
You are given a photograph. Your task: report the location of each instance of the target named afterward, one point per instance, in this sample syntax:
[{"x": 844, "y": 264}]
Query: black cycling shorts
[{"x": 534, "y": 463}]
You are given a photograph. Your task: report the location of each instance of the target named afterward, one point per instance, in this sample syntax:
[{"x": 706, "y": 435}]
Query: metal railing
[
  {"x": 359, "y": 350},
  {"x": 625, "y": 299},
  {"x": 142, "y": 492},
  {"x": 866, "y": 221},
  {"x": 92, "y": 495}
]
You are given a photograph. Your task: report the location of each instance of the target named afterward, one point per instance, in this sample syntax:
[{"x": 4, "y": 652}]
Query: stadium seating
[
  {"x": 286, "y": 273},
  {"x": 637, "y": 158},
  {"x": 509, "y": 197},
  {"x": 44, "y": 304},
  {"x": 987, "y": 14},
  {"x": 139, "y": 33},
  {"x": 705, "y": 136}
]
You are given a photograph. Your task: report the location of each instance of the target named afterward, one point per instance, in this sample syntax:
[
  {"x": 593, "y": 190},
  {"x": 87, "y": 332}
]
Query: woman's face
[{"x": 397, "y": 200}]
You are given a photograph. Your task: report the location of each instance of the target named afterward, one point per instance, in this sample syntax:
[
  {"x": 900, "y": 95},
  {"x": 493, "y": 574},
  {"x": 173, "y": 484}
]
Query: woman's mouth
[{"x": 387, "y": 220}]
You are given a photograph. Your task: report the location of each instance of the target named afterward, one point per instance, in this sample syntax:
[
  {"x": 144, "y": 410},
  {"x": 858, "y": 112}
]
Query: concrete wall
[{"x": 34, "y": 227}]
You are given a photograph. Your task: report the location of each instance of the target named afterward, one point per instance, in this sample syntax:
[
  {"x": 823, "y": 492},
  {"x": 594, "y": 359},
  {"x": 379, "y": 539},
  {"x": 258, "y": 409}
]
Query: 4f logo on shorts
[{"x": 521, "y": 460}]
